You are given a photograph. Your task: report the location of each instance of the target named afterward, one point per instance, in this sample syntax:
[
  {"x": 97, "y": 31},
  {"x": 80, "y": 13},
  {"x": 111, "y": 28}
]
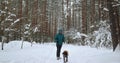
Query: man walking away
[{"x": 59, "y": 39}]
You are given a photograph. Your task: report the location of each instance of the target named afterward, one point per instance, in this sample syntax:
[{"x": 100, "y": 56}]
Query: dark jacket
[{"x": 59, "y": 38}]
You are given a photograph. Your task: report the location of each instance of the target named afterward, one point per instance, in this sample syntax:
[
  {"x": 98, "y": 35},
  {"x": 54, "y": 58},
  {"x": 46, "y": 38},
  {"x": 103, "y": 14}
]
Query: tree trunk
[
  {"x": 22, "y": 42},
  {"x": 84, "y": 19},
  {"x": 92, "y": 19},
  {"x": 20, "y": 17},
  {"x": 114, "y": 19},
  {"x": 3, "y": 41},
  {"x": 99, "y": 9}
]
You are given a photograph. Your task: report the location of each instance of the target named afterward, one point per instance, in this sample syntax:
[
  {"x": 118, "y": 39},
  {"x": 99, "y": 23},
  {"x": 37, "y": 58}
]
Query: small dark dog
[{"x": 65, "y": 56}]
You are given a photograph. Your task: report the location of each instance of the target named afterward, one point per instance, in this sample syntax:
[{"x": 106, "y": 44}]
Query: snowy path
[{"x": 45, "y": 53}]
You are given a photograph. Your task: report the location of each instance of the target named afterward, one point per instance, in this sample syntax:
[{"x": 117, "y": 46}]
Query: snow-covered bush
[
  {"x": 100, "y": 37},
  {"x": 69, "y": 35},
  {"x": 73, "y": 36}
]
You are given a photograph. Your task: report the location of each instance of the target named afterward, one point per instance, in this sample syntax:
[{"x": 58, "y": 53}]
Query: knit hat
[{"x": 60, "y": 30}]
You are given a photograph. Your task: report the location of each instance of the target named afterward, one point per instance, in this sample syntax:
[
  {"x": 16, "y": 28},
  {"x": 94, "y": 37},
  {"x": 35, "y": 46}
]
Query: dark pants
[{"x": 58, "y": 50}]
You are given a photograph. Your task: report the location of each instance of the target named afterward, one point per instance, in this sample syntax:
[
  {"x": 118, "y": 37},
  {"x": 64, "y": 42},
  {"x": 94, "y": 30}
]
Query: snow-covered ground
[{"x": 46, "y": 53}]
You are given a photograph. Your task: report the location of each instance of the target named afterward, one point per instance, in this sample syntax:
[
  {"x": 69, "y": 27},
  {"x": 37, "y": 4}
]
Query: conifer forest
[{"x": 94, "y": 23}]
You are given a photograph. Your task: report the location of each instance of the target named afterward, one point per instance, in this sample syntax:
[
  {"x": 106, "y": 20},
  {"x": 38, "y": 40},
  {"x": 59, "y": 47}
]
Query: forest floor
[{"x": 46, "y": 53}]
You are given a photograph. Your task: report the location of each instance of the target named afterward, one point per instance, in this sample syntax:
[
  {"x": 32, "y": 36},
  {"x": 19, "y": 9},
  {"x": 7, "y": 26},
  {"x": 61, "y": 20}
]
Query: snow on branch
[
  {"x": 116, "y": 5},
  {"x": 15, "y": 21},
  {"x": 79, "y": 35},
  {"x": 36, "y": 29},
  {"x": 105, "y": 9},
  {"x": 12, "y": 15},
  {"x": 9, "y": 17},
  {"x": 2, "y": 12}
]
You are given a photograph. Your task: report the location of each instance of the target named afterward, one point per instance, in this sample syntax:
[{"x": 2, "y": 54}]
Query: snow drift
[{"x": 46, "y": 53}]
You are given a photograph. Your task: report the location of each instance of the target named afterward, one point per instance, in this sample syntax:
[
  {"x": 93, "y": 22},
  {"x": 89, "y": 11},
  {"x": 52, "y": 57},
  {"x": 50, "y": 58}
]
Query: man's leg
[{"x": 58, "y": 50}]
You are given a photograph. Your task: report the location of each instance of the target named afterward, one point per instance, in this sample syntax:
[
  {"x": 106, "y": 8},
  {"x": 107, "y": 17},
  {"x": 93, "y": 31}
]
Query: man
[{"x": 59, "y": 39}]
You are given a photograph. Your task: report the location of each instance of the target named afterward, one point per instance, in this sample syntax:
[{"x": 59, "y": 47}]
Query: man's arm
[
  {"x": 55, "y": 38},
  {"x": 63, "y": 39}
]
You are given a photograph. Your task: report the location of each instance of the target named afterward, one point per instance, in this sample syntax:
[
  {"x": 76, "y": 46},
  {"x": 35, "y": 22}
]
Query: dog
[{"x": 65, "y": 56}]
